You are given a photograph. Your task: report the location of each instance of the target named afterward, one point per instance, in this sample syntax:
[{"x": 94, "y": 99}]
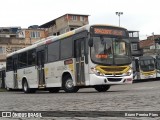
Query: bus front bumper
[{"x": 110, "y": 80}]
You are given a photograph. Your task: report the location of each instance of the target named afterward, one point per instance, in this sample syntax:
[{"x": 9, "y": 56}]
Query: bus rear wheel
[
  {"x": 102, "y": 88},
  {"x": 8, "y": 89},
  {"x": 68, "y": 85},
  {"x": 26, "y": 88}
]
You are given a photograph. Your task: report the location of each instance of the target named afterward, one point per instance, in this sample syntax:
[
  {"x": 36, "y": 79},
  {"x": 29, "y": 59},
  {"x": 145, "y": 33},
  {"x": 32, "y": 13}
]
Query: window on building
[
  {"x": 72, "y": 28},
  {"x": 134, "y": 34},
  {"x": 134, "y": 46},
  {"x": 35, "y": 34},
  {"x": 6, "y": 30},
  {"x": 82, "y": 18},
  {"x": 74, "y": 17},
  {"x": 3, "y": 35},
  {"x": 2, "y": 50}
]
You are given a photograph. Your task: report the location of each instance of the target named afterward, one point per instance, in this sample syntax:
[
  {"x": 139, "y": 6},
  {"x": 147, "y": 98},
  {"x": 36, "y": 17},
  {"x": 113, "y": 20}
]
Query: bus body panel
[
  {"x": 148, "y": 76},
  {"x": 9, "y": 79},
  {"x": 30, "y": 74},
  {"x": 53, "y": 72}
]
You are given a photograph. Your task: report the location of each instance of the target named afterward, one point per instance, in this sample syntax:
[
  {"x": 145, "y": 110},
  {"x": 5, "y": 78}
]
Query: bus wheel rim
[
  {"x": 25, "y": 86},
  {"x": 69, "y": 84}
]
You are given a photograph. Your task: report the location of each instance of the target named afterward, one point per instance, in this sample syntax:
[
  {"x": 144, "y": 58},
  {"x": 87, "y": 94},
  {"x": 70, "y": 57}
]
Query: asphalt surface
[{"x": 140, "y": 96}]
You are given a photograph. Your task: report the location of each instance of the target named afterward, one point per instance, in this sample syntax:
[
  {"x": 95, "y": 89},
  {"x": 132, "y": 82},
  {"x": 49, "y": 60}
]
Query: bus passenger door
[
  {"x": 158, "y": 66},
  {"x": 137, "y": 69},
  {"x": 15, "y": 81},
  {"x": 40, "y": 68},
  {"x": 79, "y": 53}
]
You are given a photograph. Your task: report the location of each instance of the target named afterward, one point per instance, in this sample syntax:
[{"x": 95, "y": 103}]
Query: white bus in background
[
  {"x": 144, "y": 67},
  {"x": 158, "y": 66},
  {"x": 91, "y": 56}
]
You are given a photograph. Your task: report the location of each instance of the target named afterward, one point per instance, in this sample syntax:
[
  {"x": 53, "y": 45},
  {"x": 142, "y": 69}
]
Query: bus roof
[{"x": 54, "y": 38}]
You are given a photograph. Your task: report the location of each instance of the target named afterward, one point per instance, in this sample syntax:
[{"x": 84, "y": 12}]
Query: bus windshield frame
[{"x": 111, "y": 46}]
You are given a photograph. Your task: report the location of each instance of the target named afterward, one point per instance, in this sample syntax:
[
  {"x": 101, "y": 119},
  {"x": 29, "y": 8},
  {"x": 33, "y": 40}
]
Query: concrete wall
[{"x": 65, "y": 23}]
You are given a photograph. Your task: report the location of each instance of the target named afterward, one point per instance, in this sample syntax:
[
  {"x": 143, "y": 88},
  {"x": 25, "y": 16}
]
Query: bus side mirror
[{"x": 90, "y": 42}]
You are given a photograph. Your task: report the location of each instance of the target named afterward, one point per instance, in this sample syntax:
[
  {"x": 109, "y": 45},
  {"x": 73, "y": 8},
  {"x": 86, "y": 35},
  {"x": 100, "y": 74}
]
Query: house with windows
[
  {"x": 149, "y": 45},
  {"x": 65, "y": 23},
  {"x": 31, "y": 35},
  {"x": 15, "y": 38},
  {"x": 135, "y": 43}
]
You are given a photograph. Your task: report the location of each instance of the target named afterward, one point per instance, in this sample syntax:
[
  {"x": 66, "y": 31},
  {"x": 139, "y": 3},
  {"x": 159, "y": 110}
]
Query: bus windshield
[
  {"x": 110, "y": 51},
  {"x": 147, "y": 65}
]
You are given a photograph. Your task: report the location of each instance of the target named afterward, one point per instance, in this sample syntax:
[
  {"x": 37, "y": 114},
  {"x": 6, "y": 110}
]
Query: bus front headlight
[
  {"x": 97, "y": 72},
  {"x": 128, "y": 73}
]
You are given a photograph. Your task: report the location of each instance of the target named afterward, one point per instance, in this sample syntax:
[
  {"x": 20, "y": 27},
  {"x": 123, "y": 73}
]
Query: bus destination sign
[{"x": 107, "y": 31}]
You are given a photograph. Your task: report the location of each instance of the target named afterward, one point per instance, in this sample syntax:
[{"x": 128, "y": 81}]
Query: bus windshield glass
[
  {"x": 110, "y": 51},
  {"x": 147, "y": 65}
]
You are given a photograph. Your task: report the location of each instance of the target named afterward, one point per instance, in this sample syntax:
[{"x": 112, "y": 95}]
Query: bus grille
[
  {"x": 113, "y": 73},
  {"x": 114, "y": 79},
  {"x": 149, "y": 73},
  {"x": 113, "y": 70}
]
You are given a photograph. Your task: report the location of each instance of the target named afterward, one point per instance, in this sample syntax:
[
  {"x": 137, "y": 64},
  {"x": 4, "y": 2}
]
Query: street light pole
[{"x": 119, "y": 14}]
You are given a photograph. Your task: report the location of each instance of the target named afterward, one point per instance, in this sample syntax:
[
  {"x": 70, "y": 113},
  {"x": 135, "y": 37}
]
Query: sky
[{"x": 138, "y": 15}]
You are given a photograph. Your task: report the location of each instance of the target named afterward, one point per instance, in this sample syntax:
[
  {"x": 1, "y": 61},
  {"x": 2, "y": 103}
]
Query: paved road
[{"x": 143, "y": 96}]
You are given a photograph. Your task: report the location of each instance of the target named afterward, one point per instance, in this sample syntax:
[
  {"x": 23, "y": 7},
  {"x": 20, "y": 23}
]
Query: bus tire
[
  {"x": 54, "y": 90},
  {"x": 102, "y": 88},
  {"x": 8, "y": 89},
  {"x": 26, "y": 88},
  {"x": 68, "y": 85}
]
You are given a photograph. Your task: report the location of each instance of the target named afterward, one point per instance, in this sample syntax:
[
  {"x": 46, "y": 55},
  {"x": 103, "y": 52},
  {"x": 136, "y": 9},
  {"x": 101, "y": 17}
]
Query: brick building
[
  {"x": 15, "y": 38},
  {"x": 65, "y": 23},
  {"x": 148, "y": 45}
]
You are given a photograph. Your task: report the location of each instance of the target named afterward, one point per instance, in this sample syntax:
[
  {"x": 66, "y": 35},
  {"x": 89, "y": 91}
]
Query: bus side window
[
  {"x": 9, "y": 64},
  {"x": 22, "y": 59},
  {"x": 32, "y": 57},
  {"x": 76, "y": 49}
]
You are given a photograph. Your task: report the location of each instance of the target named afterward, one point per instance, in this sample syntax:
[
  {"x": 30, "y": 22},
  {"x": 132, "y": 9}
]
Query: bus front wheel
[
  {"x": 102, "y": 88},
  {"x": 68, "y": 85}
]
